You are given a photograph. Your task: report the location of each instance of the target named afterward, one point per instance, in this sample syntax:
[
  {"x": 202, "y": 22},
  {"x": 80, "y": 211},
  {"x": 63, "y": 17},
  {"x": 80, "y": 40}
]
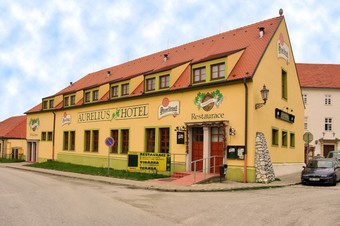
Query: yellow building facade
[{"x": 195, "y": 103}]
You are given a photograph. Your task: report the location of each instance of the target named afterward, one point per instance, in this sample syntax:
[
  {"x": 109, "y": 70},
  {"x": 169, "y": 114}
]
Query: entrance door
[
  {"x": 15, "y": 153},
  {"x": 327, "y": 148},
  {"x": 217, "y": 148},
  {"x": 31, "y": 151},
  {"x": 197, "y": 148}
]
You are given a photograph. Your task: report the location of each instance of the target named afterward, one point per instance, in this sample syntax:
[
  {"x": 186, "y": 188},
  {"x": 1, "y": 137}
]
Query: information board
[{"x": 145, "y": 161}]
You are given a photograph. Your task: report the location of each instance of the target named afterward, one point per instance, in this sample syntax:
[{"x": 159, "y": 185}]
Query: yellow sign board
[{"x": 149, "y": 161}]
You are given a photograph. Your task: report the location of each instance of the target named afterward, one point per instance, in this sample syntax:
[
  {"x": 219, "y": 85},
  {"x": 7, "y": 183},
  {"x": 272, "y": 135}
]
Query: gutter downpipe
[
  {"x": 245, "y": 131},
  {"x": 53, "y": 132}
]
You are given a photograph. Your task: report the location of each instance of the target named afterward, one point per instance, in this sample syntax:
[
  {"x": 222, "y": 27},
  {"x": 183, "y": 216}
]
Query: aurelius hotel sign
[{"x": 282, "y": 49}]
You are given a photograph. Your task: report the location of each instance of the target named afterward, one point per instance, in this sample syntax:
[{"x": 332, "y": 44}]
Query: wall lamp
[
  {"x": 264, "y": 94},
  {"x": 180, "y": 129}
]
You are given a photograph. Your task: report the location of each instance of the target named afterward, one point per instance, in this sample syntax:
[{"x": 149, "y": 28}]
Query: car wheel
[{"x": 335, "y": 180}]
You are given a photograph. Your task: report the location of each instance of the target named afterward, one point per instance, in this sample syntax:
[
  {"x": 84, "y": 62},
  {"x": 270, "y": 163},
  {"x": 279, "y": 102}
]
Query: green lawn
[
  {"x": 3, "y": 160},
  {"x": 98, "y": 171}
]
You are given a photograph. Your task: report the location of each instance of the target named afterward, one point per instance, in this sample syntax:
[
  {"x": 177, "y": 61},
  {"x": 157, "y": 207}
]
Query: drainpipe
[
  {"x": 245, "y": 131},
  {"x": 53, "y": 133}
]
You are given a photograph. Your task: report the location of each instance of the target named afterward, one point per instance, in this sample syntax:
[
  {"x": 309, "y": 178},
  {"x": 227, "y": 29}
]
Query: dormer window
[
  {"x": 164, "y": 81},
  {"x": 87, "y": 97},
  {"x": 48, "y": 104},
  {"x": 150, "y": 84},
  {"x": 69, "y": 100},
  {"x": 125, "y": 89},
  {"x": 95, "y": 95},
  {"x": 199, "y": 75},
  {"x": 217, "y": 71},
  {"x": 114, "y": 91}
]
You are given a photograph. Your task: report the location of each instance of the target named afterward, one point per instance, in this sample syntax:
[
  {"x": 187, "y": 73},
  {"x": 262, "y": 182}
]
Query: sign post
[
  {"x": 307, "y": 137},
  {"x": 109, "y": 141}
]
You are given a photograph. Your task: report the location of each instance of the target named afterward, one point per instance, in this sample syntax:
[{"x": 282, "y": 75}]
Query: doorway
[
  {"x": 327, "y": 148},
  {"x": 32, "y": 151}
]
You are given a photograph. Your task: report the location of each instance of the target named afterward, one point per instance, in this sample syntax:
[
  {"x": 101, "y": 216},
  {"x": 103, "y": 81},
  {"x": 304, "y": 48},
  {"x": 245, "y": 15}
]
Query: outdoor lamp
[{"x": 264, "y": 94}]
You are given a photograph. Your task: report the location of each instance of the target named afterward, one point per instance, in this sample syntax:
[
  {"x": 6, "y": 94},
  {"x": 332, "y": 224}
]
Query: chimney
[
  {"x": 166, "y": 56},
  {"x": 108, "y": 74},
  {"x": 261, "y": 29},
  {"x": 71, "y": 83}
]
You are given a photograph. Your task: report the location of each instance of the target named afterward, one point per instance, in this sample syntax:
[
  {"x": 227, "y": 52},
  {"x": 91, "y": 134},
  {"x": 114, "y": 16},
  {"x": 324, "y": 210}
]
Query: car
[
  {"x": 334, "y": 154},
  {"x": 321, "y": 171}
]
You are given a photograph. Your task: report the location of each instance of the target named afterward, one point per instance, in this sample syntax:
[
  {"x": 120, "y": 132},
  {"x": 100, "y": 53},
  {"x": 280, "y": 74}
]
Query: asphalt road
[{"x": 28, "y": 198}]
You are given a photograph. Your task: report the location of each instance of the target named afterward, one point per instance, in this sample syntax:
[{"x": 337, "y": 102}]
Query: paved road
[{"x": 28, "y": 198}]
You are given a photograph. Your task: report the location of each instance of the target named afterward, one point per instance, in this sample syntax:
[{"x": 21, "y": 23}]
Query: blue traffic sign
[{"x": 109, "y": 141}]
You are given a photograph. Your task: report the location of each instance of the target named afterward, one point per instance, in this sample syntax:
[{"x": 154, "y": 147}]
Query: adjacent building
[
  {"x": 13, "y": 137},
  {"x": 320, "y": 85},
  {"x": 202, "y": 104}
]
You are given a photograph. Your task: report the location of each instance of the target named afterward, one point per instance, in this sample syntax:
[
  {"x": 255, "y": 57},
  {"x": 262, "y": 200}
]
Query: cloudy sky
[{"x": 46, "y": 44}]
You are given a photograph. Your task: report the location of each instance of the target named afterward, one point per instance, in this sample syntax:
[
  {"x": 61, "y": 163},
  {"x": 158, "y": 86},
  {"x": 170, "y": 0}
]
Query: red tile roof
[
  {"x": 245, "y": 38},
  {"x": 13, "y": 127},
  {"x": 319, "y": 75}
]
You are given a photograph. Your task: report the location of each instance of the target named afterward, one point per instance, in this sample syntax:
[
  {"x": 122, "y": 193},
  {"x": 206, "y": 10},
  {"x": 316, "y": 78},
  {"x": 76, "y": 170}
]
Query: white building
[{"x": 320, "y": 85}]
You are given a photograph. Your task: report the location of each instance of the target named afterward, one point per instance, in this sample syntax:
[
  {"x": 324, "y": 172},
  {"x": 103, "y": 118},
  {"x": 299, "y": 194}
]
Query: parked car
[
  {"x": 334, "y": 154},
  {"x": 321, "y": 171}
]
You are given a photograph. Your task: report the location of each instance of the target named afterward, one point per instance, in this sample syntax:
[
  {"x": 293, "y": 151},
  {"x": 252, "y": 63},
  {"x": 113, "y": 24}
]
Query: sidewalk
[{"x": 226, "y": 185}]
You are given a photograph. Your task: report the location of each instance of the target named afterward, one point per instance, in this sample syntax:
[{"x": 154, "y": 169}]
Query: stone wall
[{"x": 263, "y": 165}]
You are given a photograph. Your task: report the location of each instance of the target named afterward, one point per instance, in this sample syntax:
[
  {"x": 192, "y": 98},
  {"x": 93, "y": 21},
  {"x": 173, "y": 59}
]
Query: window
[
  {"x": 217, "y": 134},
  {"x": 217, "y": 71},
  {"x": 95, "y": 95},
  {"x": 66, "y": 101},
  {"x": 114, "y": 91},
  {"x": 328, "y": 124},
  {"x": 284, "y": 85},
  {"x": 91, "y": 140},
  {"x": 73, "y": 100},
  {"x": 292, "y": 140},
  {"x": 284, "y": 138},
  {"x": 66, "y": 138},
  {"x": 49, "y": 136},
  {"x": 275, "y": 137},
  {"x": 164, "y": 140},
  {"x": 328, "y": 99},
  {"x": 150, "y": 140},
  {"x": 95, "y": 143},
  {"x": 43, "y": 135},
  {"x": 306, "y": 123},
  {"x": 114, "y": 135},
  {"x": 305, "y": 98},
  {"x": 164, "y": 81},
  {"x": 199, "y": 75},
  {"x": 69, "y": 140},
  {"x": 150, "y": 84},
  {"x": 51, "y": 103},
  {"x": 72, "y": 140},
  {"x": 125, "y": 141},
  {"x": 45, "y": 104},
  {"x": 125, "y": 89},
  {"x": 87, "y": 97}
]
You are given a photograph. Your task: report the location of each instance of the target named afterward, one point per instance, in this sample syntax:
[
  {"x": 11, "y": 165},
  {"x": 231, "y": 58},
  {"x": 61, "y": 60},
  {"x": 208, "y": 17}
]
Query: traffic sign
[
  {"x": 109, "y": 141},
  {"x": 308, "y": 137}
]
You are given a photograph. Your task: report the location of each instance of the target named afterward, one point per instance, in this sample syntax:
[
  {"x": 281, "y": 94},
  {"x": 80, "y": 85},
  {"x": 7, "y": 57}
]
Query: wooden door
[
  {"x": 217, "y": 148},
  {"x": 327, "y": 148},
  {"x": 197, "y": 148}
]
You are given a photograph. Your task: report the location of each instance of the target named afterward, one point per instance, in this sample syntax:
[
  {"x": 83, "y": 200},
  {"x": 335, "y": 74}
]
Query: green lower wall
[
  {"x": 93, "y": 160},
  {"x": 234, "y": 173}
]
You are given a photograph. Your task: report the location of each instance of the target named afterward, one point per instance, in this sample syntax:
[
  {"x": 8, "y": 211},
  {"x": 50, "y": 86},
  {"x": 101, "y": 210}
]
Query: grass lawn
[
  {"x": 3, "y": 160},
  {"x": 98, "y": 171}
]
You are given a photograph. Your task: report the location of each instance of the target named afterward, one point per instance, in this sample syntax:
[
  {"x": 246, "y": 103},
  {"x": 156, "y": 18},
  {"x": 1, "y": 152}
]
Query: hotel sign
[{"x": 128, "y": 112}]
